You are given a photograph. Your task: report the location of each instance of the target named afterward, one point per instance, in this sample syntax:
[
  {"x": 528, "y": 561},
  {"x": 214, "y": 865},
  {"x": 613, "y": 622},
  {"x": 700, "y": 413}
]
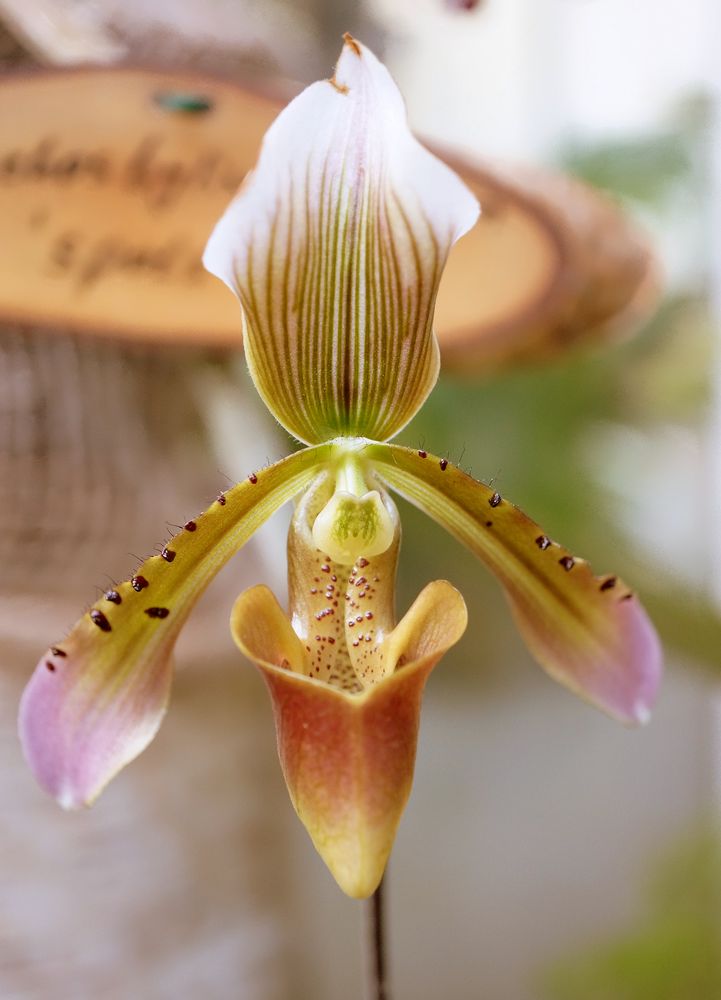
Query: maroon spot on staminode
[
  {"x": 168, "y": 554},
  {"x": 139, "y": 583},
  {"x": 362, "y": 563},
  {"x": 157, "y": 612},
  {"x": 113, "y": 596},
  {"x": 568, "y": 562},
  {"x": 99, "y": 619},
  {"x": 489, "y": 524},
  {"x": 609, "y": 583},
  {"x": 543, "y": 542},
  {"x": 495, "y": 500},
  {"x": 443, "y": 464},
  {"x": 190, "y": 525}
]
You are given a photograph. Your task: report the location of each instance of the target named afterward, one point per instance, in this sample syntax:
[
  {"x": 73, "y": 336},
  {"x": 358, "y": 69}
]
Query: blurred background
[{"x": 546, "y": 853}]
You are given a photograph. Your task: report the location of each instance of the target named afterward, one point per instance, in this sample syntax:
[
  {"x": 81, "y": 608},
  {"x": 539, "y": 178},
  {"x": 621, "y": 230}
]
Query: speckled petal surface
[
  {"x": 97, "y": 697},
  {"x": 589, "y": 632}
]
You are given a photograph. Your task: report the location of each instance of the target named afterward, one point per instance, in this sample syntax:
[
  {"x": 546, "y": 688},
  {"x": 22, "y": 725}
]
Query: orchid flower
[{"x": 335, "y": 246}]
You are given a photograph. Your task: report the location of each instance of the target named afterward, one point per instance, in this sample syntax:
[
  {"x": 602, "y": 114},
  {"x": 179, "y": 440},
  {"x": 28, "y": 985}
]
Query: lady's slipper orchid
[{"x": 335, "y": 246}]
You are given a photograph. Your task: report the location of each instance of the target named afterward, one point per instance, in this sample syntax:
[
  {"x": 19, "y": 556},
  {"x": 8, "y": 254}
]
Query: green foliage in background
[
  {"x": 653, "y": 169},
  {"x": 675, "y": 954}
]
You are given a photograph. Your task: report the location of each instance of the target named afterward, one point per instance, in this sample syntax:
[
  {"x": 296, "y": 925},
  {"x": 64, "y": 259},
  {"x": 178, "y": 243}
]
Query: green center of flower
[{"x": 354, "y": 522}]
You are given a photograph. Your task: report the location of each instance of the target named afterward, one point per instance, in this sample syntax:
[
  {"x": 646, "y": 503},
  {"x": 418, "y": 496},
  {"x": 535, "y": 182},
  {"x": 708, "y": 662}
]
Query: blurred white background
[{"x": 534, "y": 821}]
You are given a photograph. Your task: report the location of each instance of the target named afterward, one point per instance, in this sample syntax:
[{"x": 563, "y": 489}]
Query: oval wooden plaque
[
  {"x": 112, "y": 179},
  {"x": 108, "y": 192}
]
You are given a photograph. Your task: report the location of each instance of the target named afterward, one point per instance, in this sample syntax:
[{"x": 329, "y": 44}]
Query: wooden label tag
[
  {"x": 111, "y": 181},
  {"x": 110, "y": 184}
]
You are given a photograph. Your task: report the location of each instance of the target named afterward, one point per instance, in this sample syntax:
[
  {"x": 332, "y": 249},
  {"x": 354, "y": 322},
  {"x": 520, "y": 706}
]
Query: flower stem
[{"x": 376, "y": 936}]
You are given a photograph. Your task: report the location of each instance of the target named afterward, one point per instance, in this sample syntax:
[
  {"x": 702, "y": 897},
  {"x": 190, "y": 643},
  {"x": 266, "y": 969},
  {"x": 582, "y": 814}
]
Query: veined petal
[
  {"x": 96, "y": 699},
  {"x": 335, "y": 246},
  {"x": 348, "y": 758},
  {"x": 590, "y": 633}
]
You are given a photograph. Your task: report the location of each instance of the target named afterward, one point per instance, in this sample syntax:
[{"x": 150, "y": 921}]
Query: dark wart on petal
[
  {"x": 423, "y": 454},
  {"x": 99, "y": 619},
  {"x": 495, "y": 500},
  {"x": 157, "y": 612},
  {"x": 543, "y": 542},
  {"x": 139, "y": 583},
  {"x": 463, "y": 4},
  {"x": 168, "y": 554},
  {"x": 190, "y": 525},
  {"x": 50, "y": 665},
  {"x": 609, "y": 583},
  {"x": 221, "y": 499},
  {"x": 113, "y": 596},
  {"x": 443, "y": 464},
  {"x": 252, "y": 478},
  {"x": 56, "y": 651},
  {"x": 568, "y": 562}
]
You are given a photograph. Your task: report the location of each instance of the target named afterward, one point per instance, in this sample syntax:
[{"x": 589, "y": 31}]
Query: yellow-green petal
[
  {"x": 588, "y": 632},
  {"x": 97, "y": 696},
  {"x": 335, "y": 246}
]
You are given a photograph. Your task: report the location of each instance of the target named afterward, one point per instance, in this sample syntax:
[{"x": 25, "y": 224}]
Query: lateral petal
[
  {"x": 335, "y": 246},
  {"x": 588, "y": 632},
  {"x": 96, "y": 699}
]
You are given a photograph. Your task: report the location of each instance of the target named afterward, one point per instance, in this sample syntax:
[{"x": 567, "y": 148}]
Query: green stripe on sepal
[{"x": 335, "y": 247}]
